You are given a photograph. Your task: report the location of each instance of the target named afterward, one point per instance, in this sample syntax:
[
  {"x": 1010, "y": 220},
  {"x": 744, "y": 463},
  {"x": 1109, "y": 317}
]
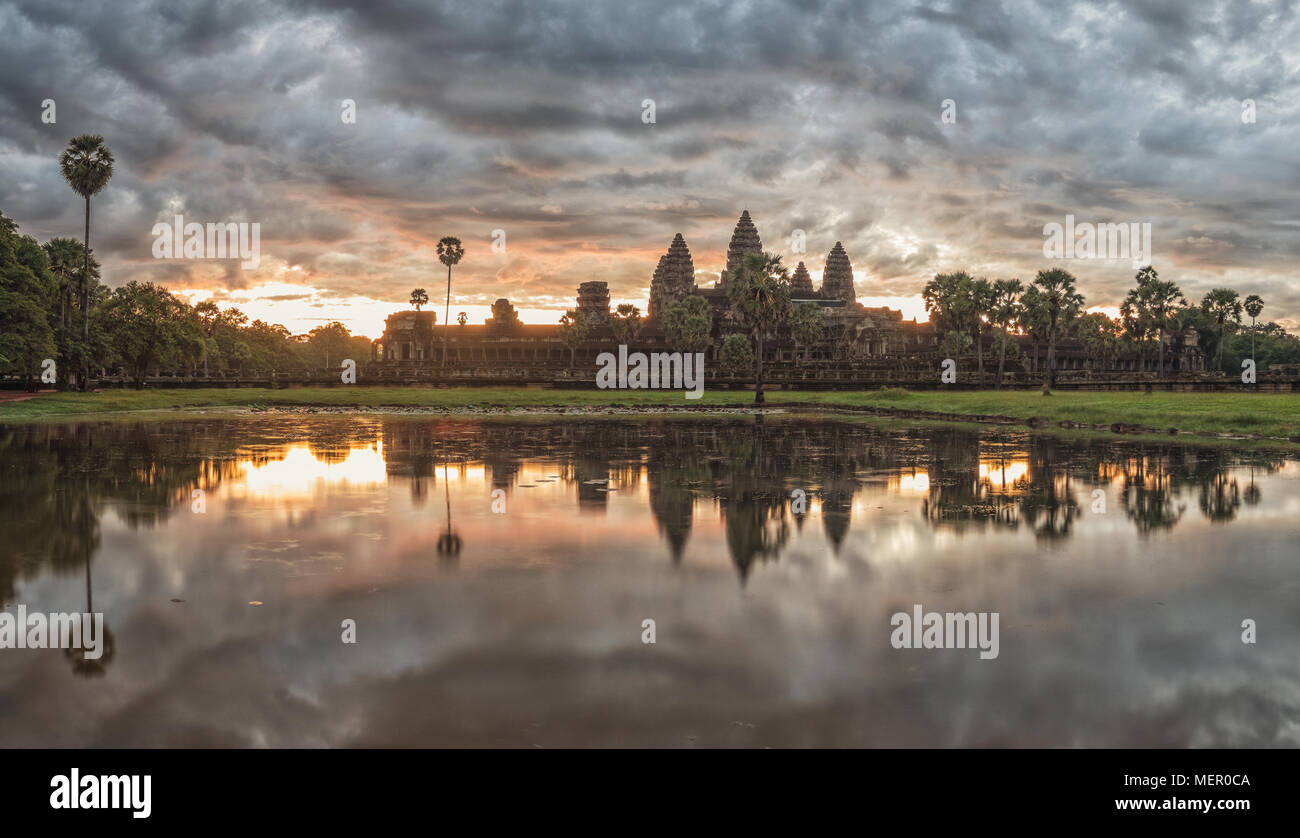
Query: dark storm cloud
[{"x": 527, "y": 117}]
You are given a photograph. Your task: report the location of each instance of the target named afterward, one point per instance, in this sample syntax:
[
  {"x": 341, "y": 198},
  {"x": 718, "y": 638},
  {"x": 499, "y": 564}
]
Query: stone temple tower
[
  {"x": 801, "y": 287},
  {"x": 593, "y": 302},
  {"x": 673, "y": 279},
  {"x": 837, "y": 276},
  {"x": 744, "y": 239}
]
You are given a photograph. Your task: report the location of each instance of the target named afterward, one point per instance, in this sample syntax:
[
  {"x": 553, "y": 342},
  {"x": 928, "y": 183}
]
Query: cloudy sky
[{"x": 527, "y": 117}]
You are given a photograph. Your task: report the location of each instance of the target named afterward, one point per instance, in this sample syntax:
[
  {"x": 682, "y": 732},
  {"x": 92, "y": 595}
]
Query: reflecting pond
[{"x": 500, "y": 574}]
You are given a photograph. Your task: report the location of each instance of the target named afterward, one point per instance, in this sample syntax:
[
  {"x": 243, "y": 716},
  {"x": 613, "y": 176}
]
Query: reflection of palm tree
[
  {"x": 1252, "y": 494},
  {"x": 1148, "y": 496},
  {"x": 1049, "y": 505},
  {"x": 448, "y": 542},
  {"x": 83, "y": 666},
  {"x": 1220, "y": 498}
]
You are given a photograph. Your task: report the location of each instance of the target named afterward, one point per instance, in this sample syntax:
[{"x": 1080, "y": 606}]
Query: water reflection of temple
[{"x": 61, "y": 480}]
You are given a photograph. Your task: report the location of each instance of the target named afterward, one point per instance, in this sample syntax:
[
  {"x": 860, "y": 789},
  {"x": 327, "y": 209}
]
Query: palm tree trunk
[
  {"x": 1051, "y": 358},
  {"x": 445, "y": 313},
  {"x": 758, "y": 359},
  {"x": 1160, "y": 336},
  {"x": 1002, "y": 359},
  {"x": 85, "y": 303}
]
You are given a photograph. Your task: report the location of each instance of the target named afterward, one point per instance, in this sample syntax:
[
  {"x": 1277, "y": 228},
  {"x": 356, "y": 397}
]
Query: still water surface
[{"x": 499, "y": 573}]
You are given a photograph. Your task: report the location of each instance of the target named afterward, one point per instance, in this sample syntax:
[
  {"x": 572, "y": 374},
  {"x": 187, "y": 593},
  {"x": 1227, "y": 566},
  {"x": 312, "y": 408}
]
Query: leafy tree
[
  {"x": 949, "y": 302},
  {"x": 419, "y": 297},
  {"x": 26, "y": 290},
  {"x": 462, "y": 319},
  {"x": 626, "y": 322},
  {"x": 688, "y": 324},
  {"x": 146, "y": 328},
  {"x": 736, "y": 353},
  {"x": 759, "y": 292},
  {"x": 807, "y": 325},
  {"x": 87, "y": 165},
  {"x": 1100, "y": 336},
  {"x": 574, "y": 329},
  {"x": 328, "y": 345},
  {"x": 956, "y": 344}
]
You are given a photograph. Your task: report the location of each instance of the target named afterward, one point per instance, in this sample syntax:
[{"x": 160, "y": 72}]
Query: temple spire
[
  {"x": 837, "y": 276},
  {"x": 744, "y": 239},
  {"x": 674, "y": 278},
  {"x": 801, "y": 286}
]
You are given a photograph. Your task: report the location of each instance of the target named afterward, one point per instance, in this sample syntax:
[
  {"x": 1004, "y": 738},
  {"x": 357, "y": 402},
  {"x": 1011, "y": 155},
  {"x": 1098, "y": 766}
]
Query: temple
[{"x": 858, "y": 345}]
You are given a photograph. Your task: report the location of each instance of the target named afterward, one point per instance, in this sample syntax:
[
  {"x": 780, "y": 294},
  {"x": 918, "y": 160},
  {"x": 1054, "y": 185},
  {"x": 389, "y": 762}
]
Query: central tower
[{"x": 744, "y": 239}]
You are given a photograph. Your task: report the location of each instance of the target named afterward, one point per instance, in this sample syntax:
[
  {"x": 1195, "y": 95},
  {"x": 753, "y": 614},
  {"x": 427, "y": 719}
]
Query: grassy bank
[{"x": 1275, "y": 415}]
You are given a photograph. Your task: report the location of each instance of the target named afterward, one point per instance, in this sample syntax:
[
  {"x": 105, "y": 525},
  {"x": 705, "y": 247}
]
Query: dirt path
[{"x": 19, "y": 395}]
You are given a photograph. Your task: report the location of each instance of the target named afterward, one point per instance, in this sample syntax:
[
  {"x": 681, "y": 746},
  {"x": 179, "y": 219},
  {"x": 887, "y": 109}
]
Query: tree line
[
  {"x": 53, "y": 306},
  {"x": 966, "y": 311}
]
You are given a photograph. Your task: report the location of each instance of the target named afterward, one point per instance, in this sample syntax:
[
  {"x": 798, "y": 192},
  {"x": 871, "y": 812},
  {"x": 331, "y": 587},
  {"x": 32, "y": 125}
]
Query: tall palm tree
[
  {"x": 1005, "y": 307},
  {"x": 1061, "y": 303},
  {"x": 1254, "y": 305},
  {"x": 449, "y": 253},
  {"x": 759, "y": 292},
  {"x": 1161, "y": 298},
  {"x": 87, "y": 164},
  {"x": 981, "y": 304},
  {"x": 63, "y": 255},
  {"x": 1224, "y": 306}
]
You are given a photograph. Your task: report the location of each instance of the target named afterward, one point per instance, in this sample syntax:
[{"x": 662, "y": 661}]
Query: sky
[{"x": 529, "y": 118}]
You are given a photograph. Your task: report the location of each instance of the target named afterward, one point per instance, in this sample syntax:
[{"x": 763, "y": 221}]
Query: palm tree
[
  {"x": 87, "y": 164},
  {"x": 759, "y": 292},
  {"x": 63, "y": 257},
  {"x": 449, "y": 253},
  {"x": 981, "y": 306},
  {"x": 1061, "y": 302},
  {"x": 462, "y": 319},
  {"x": 1254, "y": 305},
  {"x": 1224, "y": 305},
  {"x": 1005, "y": 307},
  {"x": 1161, "y": 298},
  {"x": 419, "y": 297}
]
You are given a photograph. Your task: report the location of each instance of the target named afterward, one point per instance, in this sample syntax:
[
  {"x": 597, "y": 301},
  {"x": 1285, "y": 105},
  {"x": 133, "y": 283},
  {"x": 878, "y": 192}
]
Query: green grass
[{"x": 1270, "y": 414}]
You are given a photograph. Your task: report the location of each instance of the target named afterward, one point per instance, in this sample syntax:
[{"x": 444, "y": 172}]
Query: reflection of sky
[
  {"x": 298, "y": 473},
  {"x": 532, "y": 634}
]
